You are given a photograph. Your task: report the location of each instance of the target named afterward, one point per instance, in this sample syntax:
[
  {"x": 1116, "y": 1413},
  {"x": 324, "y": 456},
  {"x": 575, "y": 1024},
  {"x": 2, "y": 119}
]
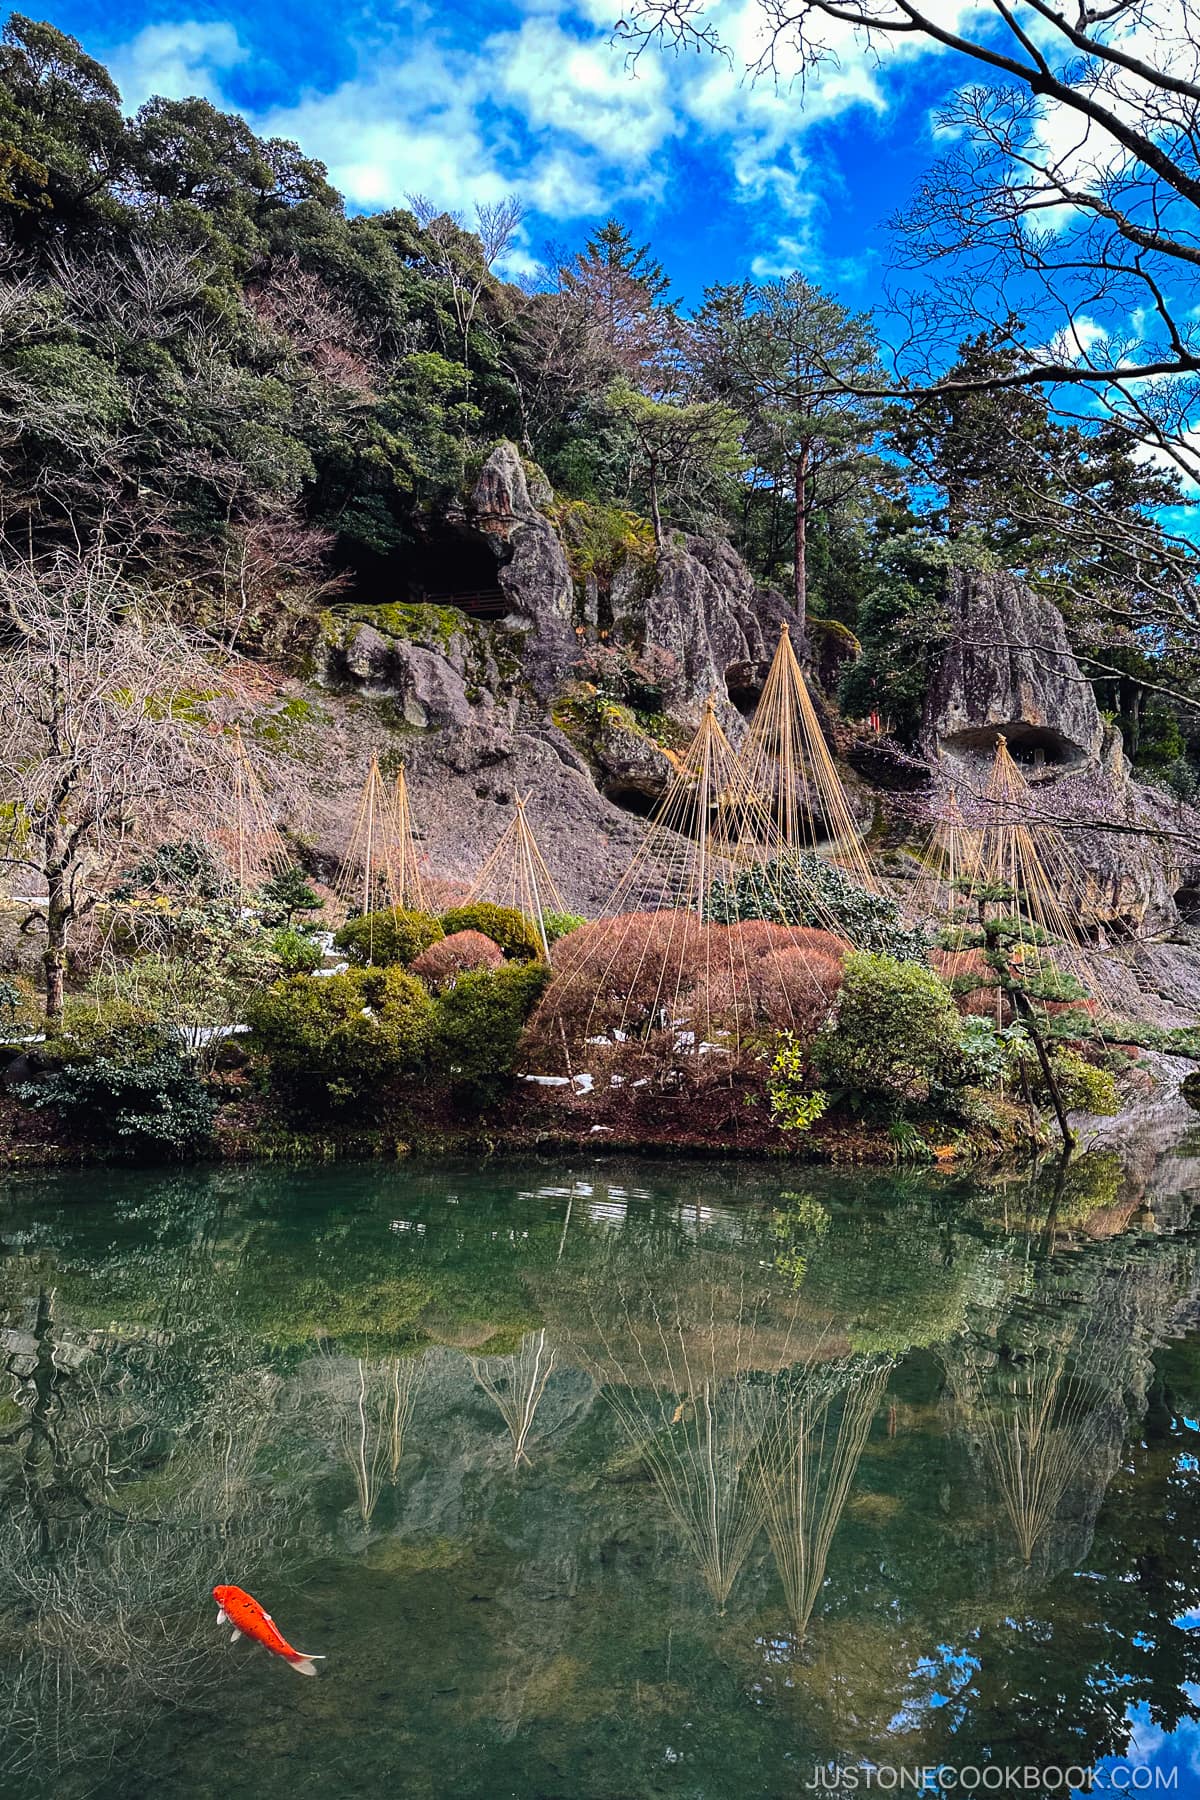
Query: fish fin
[
  {"x": 235, "y": 1635},
  {"x": 222, "y": 1616},
  {"x": 303, "y": 1665}
]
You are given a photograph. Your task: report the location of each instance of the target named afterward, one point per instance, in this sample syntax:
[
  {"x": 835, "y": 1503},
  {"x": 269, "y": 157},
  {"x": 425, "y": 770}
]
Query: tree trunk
[
  {"x": 1023, "y": 1006},
  {"x": 54, "y": 961},
  {"x": 655, "y": 514},
  {"x": 800, "y": 578}
]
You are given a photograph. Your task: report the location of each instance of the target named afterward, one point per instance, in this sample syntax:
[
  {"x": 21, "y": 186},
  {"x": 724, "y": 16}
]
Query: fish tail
[{"x": 303, "y": 1664}]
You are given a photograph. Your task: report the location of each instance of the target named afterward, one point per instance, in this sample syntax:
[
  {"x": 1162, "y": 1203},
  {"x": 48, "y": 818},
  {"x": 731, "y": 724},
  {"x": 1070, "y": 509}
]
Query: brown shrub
[
  {"x": 440, "y": 963},
  {"x": 667, "y": 982}
]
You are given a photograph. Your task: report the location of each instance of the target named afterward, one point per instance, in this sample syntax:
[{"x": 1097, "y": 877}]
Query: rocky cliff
[
  {"x": 482, "y": 709},
  {"x": 1008, "y": 670},
  {"x": 485, "y": 702}
]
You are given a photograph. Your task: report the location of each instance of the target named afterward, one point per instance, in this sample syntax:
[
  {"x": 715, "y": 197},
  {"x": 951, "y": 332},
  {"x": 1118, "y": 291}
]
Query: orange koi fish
[{"x": 237, "y": 1608}]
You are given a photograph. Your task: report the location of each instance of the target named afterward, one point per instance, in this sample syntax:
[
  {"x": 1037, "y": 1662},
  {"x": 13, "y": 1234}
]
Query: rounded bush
[
  {"x": 455, "y": 955},
  {"x": 479, "y": 1022},
  {"x": 516, "y": 935},
  {"x": 897, "y": 1032},
  {"x": 392, "y": 938},
  {"x": 339, "y": 1039}
]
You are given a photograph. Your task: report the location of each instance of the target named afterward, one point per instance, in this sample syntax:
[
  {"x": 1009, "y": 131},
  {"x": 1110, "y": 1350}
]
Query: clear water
[{"x": 598, "y": 1480}]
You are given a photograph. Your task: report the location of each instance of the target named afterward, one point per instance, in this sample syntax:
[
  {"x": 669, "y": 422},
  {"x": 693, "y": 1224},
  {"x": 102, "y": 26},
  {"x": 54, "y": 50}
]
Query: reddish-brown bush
[
  {"x": 665, "y": 976},
  {"x": 440, "y": 963}
]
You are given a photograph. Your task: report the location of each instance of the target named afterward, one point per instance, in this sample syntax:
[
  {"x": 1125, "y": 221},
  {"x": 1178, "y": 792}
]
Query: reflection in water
[
  {"x": 372, "y": 1405},
  {"x": 700, "y": 1362},
  {"x": 128, "y": 1485},
  {"x": 811, "y": 1454},
  {"x": 1041, "y": 1415},
  {"x": 515, "y": 1386}
]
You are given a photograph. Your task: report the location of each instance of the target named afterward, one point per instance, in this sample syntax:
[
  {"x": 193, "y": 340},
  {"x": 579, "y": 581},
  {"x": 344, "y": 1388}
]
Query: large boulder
[
  {"x": 704, "y": 609},
  {"x": 534, "y": 573},
  {"x": 1009, "y": 670}
]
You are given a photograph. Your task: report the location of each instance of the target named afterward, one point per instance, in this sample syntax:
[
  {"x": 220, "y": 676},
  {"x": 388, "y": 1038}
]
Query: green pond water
[{"x": 601, "y": 1479}]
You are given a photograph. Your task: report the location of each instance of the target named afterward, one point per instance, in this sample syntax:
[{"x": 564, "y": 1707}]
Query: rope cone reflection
[
  {"x": 373, "y": 1407},
  {"x": 1039, "y": 1422},
  {"x": 515, "y": 1386},
  {"x": 516, "y": 874},
  {"x": 691, "y": 1399},
  {"x": 808, "y": 1467},
  {"x": 789, "y": 767}
]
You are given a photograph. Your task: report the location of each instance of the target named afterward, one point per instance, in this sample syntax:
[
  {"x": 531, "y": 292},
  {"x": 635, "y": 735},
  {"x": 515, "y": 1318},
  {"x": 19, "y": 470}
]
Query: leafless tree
[
  {"x": 109, "y": 735},
  {"x": 1071, "y": 189},
  {"x": 465, "y": 259}
]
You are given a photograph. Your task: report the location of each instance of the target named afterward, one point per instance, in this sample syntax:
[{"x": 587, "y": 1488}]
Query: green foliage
[
  {"x": 796, "y": 1228},
  {"x": 902, "y": 626},
  {"x": 127, "y": 1082},
  {"x": 804, "y": 889},
  {"x": 560, "y": 925},
  {"x": 388, "y": 939},
  {"x": 505, "y": 925},
  {"x": 298, "y": 952},
  {"x": 336, "y": 1041},
  {"x": 478, "y": 1026},
  {"x": 182, "y": 866},
  {"x": 896, "y": 1034},
  {"x": 1082, "y": 1086},
  {"x": 289, "y": 892},
  {"x": 795, "y": 1104}
]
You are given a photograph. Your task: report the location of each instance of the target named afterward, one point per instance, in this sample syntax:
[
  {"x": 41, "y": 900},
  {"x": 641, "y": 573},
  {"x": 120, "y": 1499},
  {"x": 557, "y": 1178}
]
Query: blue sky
[{"x": 468, "y": 102}]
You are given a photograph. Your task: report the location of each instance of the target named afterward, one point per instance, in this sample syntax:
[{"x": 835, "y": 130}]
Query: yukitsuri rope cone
[
  {"x": 788, "y": 766},
  {"x": 949, "y": 864},
  {"x": 1032, "y": 861},
  {"x": 655, "y": 980},
  {"x": 249, "y": 836},
  {"x": 516, "y": 874},
  {"x": 381, "y": 867}
]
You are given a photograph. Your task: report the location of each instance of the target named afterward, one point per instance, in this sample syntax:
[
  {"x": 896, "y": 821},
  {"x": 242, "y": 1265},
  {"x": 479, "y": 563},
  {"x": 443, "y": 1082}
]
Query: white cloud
[
  {"x": 177, "y": 60},
  {"x": 550, "y": 109}
]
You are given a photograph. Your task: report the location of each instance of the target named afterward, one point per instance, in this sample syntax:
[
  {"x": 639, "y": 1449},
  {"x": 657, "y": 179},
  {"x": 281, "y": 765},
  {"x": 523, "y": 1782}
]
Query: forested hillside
[{"x": 258, "y": 401}]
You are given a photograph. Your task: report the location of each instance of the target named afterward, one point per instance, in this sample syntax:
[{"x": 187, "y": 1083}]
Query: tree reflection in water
[{"x": 132, "y": 1484}]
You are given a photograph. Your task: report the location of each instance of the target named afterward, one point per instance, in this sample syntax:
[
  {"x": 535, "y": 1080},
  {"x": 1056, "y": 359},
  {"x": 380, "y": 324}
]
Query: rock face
[
  {"x": 706, "y": 612},
  {"x": 534, "y": 573},
  {"x": 700, "y": 604},
  {"x": 1009, "y": 670}
]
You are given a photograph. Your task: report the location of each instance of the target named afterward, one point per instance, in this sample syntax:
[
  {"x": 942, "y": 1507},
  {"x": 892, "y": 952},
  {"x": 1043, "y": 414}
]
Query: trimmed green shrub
[
  {"x": 516, "y": 935},
  {"x": 478, "y": 1026},
  {"x": 896, "y": 1034},
  {"x": 1082, "y": 1086},
  {"x": 560, "y": 925},
  {"x": 128, "y": 1082},
  {"x": 289, "y": 892},
  {"x": 387, "y": 939},
  {"x": 804, "y": 889},
  {"x": 299, "y": 953},
  {"x": 337, "y": 1040}
]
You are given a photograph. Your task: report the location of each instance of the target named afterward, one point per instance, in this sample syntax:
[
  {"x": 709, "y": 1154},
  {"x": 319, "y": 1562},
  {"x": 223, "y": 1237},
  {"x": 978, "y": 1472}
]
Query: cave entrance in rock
[
  {"x": 1032, "y": 747},
  {"x": 452, "y": 566}
]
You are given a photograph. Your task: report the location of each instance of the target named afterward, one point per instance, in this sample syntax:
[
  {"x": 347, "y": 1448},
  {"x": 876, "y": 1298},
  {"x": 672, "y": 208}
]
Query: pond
[{"x": 602, "y": 1480}]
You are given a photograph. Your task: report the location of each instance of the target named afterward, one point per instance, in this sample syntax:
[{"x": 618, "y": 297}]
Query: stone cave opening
[{"x": 452, "y": 566}]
